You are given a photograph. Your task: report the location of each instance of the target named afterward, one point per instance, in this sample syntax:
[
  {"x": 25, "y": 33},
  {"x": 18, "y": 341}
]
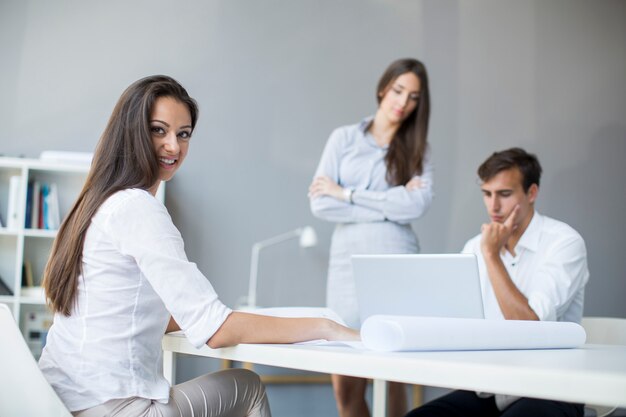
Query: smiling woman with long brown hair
[{"x": 118, "y": 278}]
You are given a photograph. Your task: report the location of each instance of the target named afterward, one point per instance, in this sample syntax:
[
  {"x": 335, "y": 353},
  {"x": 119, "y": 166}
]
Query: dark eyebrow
[
  {"x": 500, "y": 191},
  {"x": 166, "y": 124}
]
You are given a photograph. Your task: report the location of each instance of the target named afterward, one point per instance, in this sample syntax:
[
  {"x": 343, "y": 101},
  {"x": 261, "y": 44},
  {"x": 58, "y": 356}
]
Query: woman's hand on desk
[
  {"x": 342, "y": 333},
  {"x": 242, "y": 327}
]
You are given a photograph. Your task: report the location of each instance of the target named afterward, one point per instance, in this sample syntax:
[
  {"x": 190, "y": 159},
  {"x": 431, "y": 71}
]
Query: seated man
[{"x": 531, "y": 267}]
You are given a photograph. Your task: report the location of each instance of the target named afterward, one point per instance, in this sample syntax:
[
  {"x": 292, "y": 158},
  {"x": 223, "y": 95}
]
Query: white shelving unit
[{"x": 20, "y": 243}]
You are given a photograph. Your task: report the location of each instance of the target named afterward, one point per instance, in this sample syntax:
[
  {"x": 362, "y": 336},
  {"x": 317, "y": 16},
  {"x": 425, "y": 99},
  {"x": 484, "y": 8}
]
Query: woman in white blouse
[
  {"x": 118, "y": 278},
  {"x": 373, "y": 179}
]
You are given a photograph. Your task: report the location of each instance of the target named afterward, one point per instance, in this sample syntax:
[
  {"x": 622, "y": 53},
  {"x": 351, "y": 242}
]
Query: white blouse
[{"x": 135, "y": 274}]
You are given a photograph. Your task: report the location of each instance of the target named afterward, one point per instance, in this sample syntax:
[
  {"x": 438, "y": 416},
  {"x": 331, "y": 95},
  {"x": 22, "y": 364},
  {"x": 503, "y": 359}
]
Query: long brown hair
[
  {"x": 124, "y": 158},
  {"x": 405, "y": 155}
]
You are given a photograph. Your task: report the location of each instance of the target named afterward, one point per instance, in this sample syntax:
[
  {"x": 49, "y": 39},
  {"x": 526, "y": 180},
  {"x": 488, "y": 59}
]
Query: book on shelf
[
  {"x": 35, "y": 204},
  {"x": 40, "y": 224},
  {"x": 29, "y": 205},
  {"x": 4, "y": 288},
  {"x": 45, "y": 190},
  {"x": 14, "y": 196},
  {"x": 51, "y": 203},
  {"x": 27, "y": 274},
  {"x": 42, "y": 206},
  {"x": 29, "y": 288}
]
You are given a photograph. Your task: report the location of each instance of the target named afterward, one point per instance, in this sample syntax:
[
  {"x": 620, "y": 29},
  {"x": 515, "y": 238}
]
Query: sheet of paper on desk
[
  {"x": 345, "y": 343},
  {"x": 402, "y": 333}
]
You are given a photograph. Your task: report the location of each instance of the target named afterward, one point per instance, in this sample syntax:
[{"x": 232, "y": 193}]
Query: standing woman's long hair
[
  {"x": 405, "y": 155},
  {"x": 124, "y": 158}
]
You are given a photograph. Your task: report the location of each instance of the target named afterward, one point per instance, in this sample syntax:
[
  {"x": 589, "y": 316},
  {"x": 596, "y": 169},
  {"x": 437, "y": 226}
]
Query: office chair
[
  {"x": 23, "y": 389},
  {"x": 606, "y": 331}
]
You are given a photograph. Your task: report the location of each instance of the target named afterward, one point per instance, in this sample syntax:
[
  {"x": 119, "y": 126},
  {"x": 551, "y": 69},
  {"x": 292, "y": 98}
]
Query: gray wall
[{"x": 273, "y": 79}]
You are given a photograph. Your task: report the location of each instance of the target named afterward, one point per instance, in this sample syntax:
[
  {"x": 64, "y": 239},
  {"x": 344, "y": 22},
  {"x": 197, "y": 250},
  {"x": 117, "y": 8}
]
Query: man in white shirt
[{"x": 531, "y": 267}]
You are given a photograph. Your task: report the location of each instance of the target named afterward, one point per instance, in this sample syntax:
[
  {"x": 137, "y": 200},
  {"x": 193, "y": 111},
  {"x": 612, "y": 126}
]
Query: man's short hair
[{"x": 527, "y": 163}]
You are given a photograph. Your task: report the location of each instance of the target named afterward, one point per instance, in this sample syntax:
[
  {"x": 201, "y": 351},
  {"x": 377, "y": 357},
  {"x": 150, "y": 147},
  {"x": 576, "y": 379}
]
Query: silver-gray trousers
[{"x": 227, "y": 393}]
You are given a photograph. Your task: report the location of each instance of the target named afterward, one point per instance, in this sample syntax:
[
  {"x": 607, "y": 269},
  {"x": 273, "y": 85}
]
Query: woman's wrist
[
  {"x": 336, "y": 331},
  {"x": 347, "y": 195}
]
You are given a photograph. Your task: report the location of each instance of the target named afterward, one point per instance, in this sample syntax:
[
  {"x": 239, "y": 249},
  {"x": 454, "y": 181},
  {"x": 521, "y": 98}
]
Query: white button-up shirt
[
  {"x": 135, "y": 274},
  {"x": 549, "y": 268}
]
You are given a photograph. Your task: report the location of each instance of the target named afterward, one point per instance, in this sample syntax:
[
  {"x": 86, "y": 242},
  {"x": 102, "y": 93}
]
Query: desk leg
[
  {"x": 379, "y": 406},
  {"x": 418, "y": 396},
  {"x": 169, "y": 366}
]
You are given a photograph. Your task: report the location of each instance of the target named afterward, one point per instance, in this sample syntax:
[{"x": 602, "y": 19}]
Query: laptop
[{"x": 440, "y": 285}]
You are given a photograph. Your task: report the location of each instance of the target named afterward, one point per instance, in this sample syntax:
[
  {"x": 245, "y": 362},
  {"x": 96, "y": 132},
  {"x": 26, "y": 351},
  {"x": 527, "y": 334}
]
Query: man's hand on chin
[{"x": 494, "y": 236}]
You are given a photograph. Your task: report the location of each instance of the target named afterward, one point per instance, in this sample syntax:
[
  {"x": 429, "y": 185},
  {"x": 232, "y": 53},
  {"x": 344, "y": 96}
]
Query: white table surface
[{"x": 591, "y": 374}]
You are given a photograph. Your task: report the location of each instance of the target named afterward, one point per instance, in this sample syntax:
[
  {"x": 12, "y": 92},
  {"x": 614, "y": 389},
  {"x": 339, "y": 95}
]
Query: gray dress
[{"x": 379, "y": 219}]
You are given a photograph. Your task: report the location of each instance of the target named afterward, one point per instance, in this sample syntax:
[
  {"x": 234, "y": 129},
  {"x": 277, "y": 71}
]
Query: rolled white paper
[{"x": 403, "y": 333}]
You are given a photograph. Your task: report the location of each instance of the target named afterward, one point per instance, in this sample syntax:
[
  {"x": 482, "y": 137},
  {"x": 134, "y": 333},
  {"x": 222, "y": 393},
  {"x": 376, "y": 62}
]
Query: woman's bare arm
[{"x": 253, "y": 328}]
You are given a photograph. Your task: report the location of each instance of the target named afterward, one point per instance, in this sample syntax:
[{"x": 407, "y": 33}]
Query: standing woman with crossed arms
[{"x": 373, "y": 179}]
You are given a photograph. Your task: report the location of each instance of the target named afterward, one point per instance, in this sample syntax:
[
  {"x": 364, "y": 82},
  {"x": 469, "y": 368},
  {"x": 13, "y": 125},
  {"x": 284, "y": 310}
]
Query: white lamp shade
[{"x": 308, "y": 237}]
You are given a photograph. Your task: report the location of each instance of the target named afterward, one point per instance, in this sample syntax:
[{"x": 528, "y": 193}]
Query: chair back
[
  {"x": 605, "y": 330},
  {"x": 23, "y": 389}
]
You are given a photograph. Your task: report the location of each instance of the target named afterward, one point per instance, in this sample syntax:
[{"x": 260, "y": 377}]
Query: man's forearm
[{"x": 513, "y": 304}]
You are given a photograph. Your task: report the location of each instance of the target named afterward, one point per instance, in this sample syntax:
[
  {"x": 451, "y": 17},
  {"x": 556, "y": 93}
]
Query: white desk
[{"x": 593, "y": 374}]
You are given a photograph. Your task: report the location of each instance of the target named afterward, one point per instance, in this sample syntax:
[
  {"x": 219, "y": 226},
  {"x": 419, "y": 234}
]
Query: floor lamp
[{"x": 307, "y": 238}]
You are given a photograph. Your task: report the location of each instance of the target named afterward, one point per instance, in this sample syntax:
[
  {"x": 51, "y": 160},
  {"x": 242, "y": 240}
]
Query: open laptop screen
[{"x": 435, "y": 285}]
